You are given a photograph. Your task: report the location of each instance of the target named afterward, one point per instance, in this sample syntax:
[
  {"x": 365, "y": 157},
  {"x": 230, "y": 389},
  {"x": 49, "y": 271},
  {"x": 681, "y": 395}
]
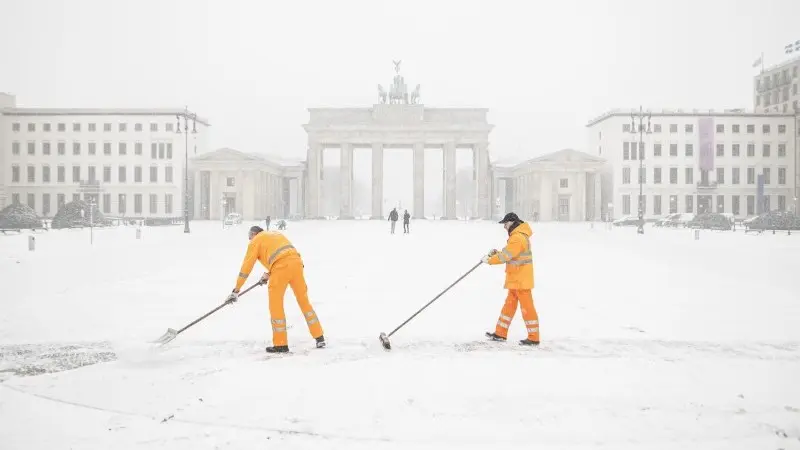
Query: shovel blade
[
  {"x": 166, "y": 337},
  {"x": 385, "y": 341}
]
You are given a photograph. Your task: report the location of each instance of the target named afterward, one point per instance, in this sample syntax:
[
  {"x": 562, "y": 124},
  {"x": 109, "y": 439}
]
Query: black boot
[
  {"x": 321, "y": 342},
  {"x": 278, "y": 349},
  {"x": 495, "y": 337},
  {"x": 528, "y": 342}
]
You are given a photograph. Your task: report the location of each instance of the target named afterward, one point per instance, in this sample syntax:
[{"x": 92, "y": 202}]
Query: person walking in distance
[
  {"x": 518, "y": 258},
  {"x": 284, "y": 268},
  {"x": 268, "y": 220},
  {"x": 406, "y": 220},
  {"x": 393, "y": 218}
]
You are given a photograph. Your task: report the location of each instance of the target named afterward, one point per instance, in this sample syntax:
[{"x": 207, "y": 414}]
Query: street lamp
[
  {"x": 186, "y": 116},
  {"x": 641, "y": 130}
]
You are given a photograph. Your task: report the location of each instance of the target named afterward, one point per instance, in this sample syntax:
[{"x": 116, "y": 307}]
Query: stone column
[
  {"x": 449, "y": 180},
  {"x": 598, "y": 198},
  {"x": 346, "y": 182},
  {"x": 377, "y": 181},
  {"x": 299, "y": 194},
  {"x": 481, "y": 152},
  {"x": 579, "y": 198},
  {"x": 196, "y": 196},
  {"x": 314, "y": 161},
  {"x": 419, "y": 181},
  {"x": 546, "y": 198},
  {"x": 510, "y": 198}
]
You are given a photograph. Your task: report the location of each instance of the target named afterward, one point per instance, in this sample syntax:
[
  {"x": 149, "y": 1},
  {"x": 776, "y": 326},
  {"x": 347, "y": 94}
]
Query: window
[
  {"x": 626, "y": 175},
  {"x": 153, "y": 127},
  {"x": 657, "y": 175},
  {"x": 657, "y": 205},
  {"x": 720, "y": 150},
  {"x": 153, "y": 150},
  {"x": 673, "y": 204},
  {"x": 31, "y": 127},
  {"x": 689, "y": 128},
  {"x": 15, "y": 126},
  {"x": 689, "y": 174},
  {"x": 656, "y": 149},
  {"x": 673, "y": 149},
  {"x": 15, "y": 148},
  {"x": 45, "y": 205},
  {"x": 15, "y": 174},
  {"x": 45, "y": 174},
  {"x": 564, "y": 182},
  {"x": 657, "y": 128},
  {"x": 751, "y": 175},
  {"x": 137, "y": 127},
  {"x": 61, "y": 199},
  {"x": 720, "y": 175},
  {"x": 61, "y": 174},
  {"x": 121, "y": 205},
  {"x": 781, "y": 203},
  {"x": 782, "y": 128},
  {"x": 626, "y": 128},
  {"x": 153, "y": 174},
  {"x": 45, "y": 148},
  {"x": 31, "y": 148},
  {"x": 46, "y": 127},
  {"x": 765, "y": 128},
  {"x": 673, "y": 128},
  {"x": 751, "y": 129},
  {"x": 62, "y": 148},
  {"x": 626, "y": 151},
  {"x": 634, "y": 155},
  {"x": 153, "y": 204},
  {"x": 626, "y": 204},
  {"x": 31, "y": 201},
  {"x": 735, "y": 128},
  {"x": 92, "y": 127},
  {"x": 123, "y": 127},
  {"x": 106, "y": 148},
  {"x": 76, "y": 148},
  {"x": 76, "y": 197},
  {"x": 735, "y": 204},
  {"x": 15, "y": 199},
  {"x": 122, "y": 174},
  {"x": 169, "y": 127},
  {"x": 231, "y": 181},
  {"x": 765, "y": 151},
  {"x": 137, "y": 174},
  {"x": 689, "y": 149},
  {"x": 766, "y": 173},
  {"x": 107, "y": 127},
  {"x": 31, "y": 174},
  {"x": 751, "y": 150},
  {"x": 642, "y": 178},
  {"x": 781, "y": 175},
  {"x": 168, "y": 204},
  {"x": 781, "y": 150},
  {"x": 123, "y": 148},
  {"x": 673, "y": 175},
  {"x": 137, "y": 203},
  {"x": 689, "y": 203},
  {"x": 106, "y": 203},
  {"x": 169, "y": 150},
  {"x": 160, "y": 150},
  {"x": 137, "y": 148},
  {"x": 735, "y": 175},
  {"x": 735, "y": 151},
  {"x": 76, "y": 174},
  {"x": 106, "y": 174},
  {"x": 642, "y": 204},
  {"x": 76, "y": 127},
  {"x": 62, "y": 127},
  {"x": 720, "y": 128}
]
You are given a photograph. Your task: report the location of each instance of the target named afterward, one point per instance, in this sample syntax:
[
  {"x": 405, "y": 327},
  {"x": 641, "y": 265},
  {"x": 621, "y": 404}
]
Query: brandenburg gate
[{"x": 399, "y": 120}]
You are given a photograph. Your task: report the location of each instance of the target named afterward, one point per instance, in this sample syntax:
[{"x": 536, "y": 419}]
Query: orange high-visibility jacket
[
  {"x": 266, "y": 247},
  {"x": 518, "y": 258}
]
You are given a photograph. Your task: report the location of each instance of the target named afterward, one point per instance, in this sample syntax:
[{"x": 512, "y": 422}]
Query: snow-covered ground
[{"x": 649, "y": 342}]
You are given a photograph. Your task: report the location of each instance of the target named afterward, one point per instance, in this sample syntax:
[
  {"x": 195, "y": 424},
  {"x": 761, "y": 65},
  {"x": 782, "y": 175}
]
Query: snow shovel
[
  {"x": 172, "y": 333},
  {"x": 384, "y": 338}
]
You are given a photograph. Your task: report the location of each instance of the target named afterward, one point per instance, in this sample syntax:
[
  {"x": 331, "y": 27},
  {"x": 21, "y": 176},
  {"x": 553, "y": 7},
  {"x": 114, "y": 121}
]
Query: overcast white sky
[{"x": 253, "y": 67}]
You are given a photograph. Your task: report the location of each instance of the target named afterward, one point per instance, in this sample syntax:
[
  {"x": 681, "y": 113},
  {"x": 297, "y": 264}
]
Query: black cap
[
  {"x": 256, "y": 229},
  {"x": 510, "y": 217}
]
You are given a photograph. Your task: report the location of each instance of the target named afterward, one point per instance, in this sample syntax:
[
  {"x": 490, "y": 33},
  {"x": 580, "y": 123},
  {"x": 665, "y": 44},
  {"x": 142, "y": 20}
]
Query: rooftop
[
  {"x": 16, "y": 111},
  {"x": 737, "y": 112}
]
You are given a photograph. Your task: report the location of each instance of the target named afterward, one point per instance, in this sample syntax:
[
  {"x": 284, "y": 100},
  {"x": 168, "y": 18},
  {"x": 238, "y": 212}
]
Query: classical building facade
[
  {"x": 562, "y": 186},
  {"x": 130, "y": 162},
  {"x": 777, "y": 89}
]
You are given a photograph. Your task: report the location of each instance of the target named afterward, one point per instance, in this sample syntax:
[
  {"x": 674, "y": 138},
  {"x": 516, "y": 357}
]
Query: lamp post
[
  {"x": 641, "y": 130},
  {"x": 186, "y": 116}
]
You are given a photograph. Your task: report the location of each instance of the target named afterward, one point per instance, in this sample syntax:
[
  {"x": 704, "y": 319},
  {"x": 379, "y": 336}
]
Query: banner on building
[
  {"x": 705, "y": 130},
  {"x": 760, "y": 195}
]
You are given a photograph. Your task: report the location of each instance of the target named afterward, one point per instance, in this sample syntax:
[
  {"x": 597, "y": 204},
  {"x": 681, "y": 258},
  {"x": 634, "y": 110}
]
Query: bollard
[
  {"x": 696, "y": 235},
  {"x": 138, "y": 233},
  {"x": 31, "y": 243}
]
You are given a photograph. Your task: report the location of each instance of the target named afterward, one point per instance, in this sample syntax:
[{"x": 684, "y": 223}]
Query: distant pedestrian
[
  {"x": 406, "y": 219},
  {"x": 393, "y": 216},
  {"x": 269, "y": 219}
]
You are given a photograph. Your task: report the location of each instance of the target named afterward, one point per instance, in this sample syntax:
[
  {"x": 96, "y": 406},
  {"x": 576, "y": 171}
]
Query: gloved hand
[
  {"x": 492, "y": 252},
  {"x": 265, "y": 278},
  {"x": 485, "y": 259},
  {"x": 232, "y": 297}
]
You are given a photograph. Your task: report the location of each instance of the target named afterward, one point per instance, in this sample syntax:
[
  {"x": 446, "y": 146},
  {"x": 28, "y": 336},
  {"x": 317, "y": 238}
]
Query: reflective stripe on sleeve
[{"x": 243, "y": 275}]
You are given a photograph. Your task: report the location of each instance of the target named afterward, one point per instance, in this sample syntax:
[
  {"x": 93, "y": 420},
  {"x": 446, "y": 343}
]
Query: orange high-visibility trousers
[
  {"x": 285, "y": 272},
  {"x": 529, "y": 315}
]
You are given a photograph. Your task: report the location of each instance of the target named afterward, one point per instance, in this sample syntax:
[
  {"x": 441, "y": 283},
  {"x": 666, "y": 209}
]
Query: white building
[
  {"x": 134, "y": 158},
  {"x": 698, "y": 161},
  {"x": 776, "y": 89}
]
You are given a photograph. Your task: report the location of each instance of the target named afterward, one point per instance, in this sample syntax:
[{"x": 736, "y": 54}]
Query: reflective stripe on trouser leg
[
  {"x": 529, "y": 314},
  {"x": 298, "y": 283},
  {"x": 278, "y": 282},
  {"x": 506, "y": 314}
]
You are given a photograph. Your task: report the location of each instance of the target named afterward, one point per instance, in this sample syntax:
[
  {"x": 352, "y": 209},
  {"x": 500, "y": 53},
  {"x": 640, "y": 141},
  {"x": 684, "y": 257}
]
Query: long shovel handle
[
  {"x": 260, "y": 282},
  {"x": 437, "y": 297}
]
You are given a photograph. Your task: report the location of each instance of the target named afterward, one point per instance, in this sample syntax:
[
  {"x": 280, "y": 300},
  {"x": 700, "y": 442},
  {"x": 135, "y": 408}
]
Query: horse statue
[
  {"x": 381, "y": 94},
  {"x": 415, "y": 96},
  {"x": 398, "y": 94}
]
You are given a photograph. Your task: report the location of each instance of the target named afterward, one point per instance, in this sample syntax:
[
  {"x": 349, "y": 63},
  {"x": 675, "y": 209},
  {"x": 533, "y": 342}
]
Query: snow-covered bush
[
  {"x": 19, "y": 216},
  {"x": 70, "y": 215}
]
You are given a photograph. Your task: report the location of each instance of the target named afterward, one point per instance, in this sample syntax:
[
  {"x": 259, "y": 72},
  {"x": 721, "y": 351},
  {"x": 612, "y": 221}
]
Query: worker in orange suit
[
  {"x": 284, "y": 268},
  {"x": 518, "y": 258}
]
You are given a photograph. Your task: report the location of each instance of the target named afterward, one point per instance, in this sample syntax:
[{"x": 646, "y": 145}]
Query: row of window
[
  {"x": 92, "y": 175},
  {"x": 103, "y": 202},
  {"x": 776, "y": 97},
  {"x": 704, "y": 204},
  {"x": 720, "y": 128},
  {"x": 777, "y": 79},
  {"x": 91, "y": 127},
  {"x": 158, "y": 150},
  {"x": 688, "y": 176},
  {"x": 629, "y": 150}
]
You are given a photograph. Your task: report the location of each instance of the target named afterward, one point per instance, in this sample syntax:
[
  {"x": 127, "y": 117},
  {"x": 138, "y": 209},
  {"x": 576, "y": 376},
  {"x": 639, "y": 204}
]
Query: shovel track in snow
[{"x": 37, "y": 359}]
